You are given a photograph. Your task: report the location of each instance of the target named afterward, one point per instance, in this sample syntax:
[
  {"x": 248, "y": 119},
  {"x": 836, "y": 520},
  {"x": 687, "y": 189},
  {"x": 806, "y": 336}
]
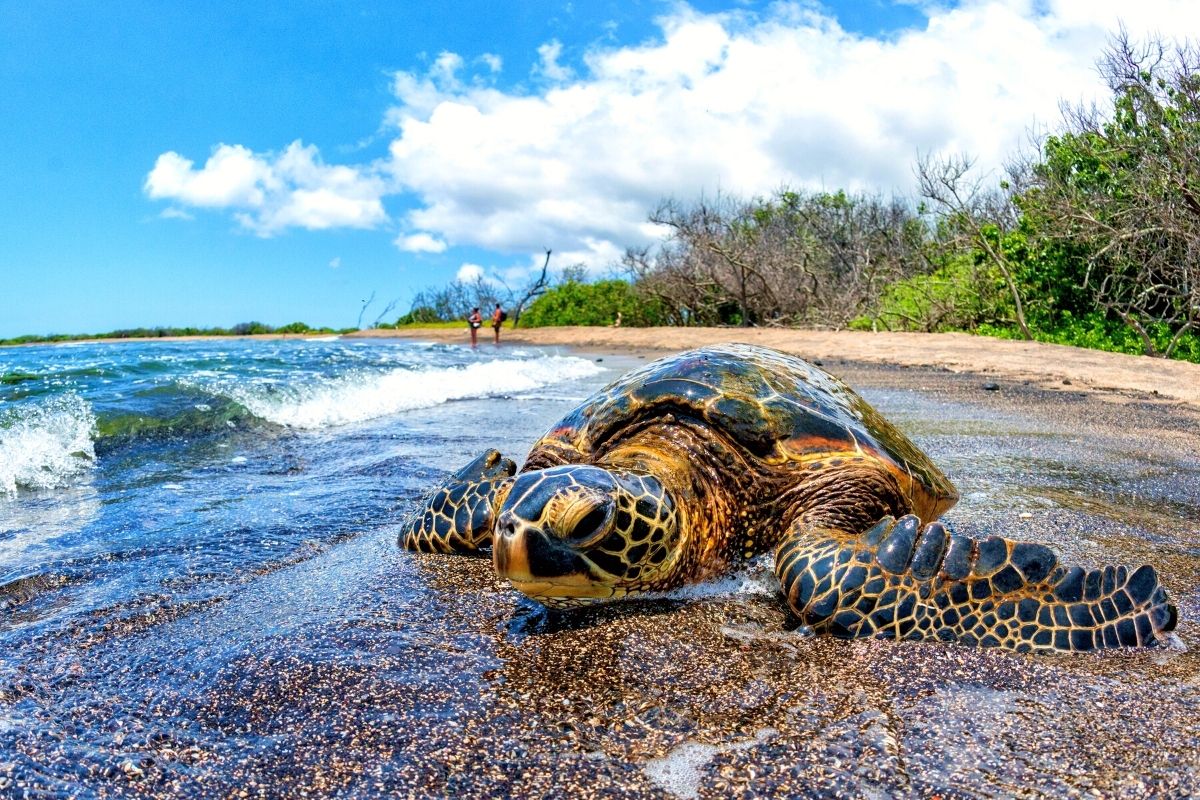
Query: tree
[
  {"x": 363, "y": 310},
  {"x": 792, "y": 259},
  {"x": 973, "y": 218},
  {"x": 533, "y": 289},
  {"x": 1119, "y": 192},
  {"x": 456, "y": 299}
]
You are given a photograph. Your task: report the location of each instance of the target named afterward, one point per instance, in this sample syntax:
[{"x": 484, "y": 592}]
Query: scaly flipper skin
[
  {"x": 457, "y": 516},
  {"x": 899, "y": 581}
]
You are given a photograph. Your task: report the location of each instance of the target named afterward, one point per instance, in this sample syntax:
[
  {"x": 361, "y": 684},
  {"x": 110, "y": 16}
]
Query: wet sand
[
  {"x": 328, "y": 679},
  {"x": 720, "y": 697},
  {"x": 1047, "y": 365}
]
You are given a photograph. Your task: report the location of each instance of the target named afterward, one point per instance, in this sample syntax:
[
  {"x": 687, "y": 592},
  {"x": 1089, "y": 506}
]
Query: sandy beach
[
  {"x": 241, "y": 620},
  {"x": 1048, "y": 366}
]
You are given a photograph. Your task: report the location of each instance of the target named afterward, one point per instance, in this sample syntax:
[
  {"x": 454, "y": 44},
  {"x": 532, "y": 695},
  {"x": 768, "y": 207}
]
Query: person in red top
[
  {"x": 498, "y": 317},
  {"x": 475, "y": 320}
]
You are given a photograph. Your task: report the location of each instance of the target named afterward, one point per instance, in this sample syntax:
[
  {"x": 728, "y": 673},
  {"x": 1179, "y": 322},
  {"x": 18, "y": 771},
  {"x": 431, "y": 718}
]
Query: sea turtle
[{"x": 687, "y": 466}]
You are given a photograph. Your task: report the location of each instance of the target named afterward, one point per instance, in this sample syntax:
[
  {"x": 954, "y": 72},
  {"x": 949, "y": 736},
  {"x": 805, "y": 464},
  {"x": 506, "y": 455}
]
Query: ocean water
[
  {"x": 145, "y": 482},
  {"x": 201, "y": 595}
]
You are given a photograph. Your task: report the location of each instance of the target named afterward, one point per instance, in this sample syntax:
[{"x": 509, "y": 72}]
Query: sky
[{"x": 169, "y": 163}]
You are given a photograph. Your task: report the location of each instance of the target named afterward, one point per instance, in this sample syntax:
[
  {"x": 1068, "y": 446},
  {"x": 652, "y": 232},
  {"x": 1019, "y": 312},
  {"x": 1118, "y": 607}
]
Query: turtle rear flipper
[
  {"x": 457, "y": 515},
  {"x": 900, "y": 581}
]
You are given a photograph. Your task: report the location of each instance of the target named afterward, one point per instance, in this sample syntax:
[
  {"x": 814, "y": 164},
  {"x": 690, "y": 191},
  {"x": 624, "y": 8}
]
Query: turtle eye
[{"x": 591, "y": 525}]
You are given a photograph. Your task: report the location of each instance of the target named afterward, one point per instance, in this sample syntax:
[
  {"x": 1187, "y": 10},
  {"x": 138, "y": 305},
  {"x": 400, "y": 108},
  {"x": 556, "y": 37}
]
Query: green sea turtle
[{"x": 685, "y": 467}]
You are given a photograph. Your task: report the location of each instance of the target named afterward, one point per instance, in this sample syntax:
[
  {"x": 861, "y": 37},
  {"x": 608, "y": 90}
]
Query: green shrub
[
  {"x": 960, "y": 295},
  {"x": 418, "y": 316},
  {"x": 294, "y": 327},
  {"x": 250, "y": 328},
  {"x": 577, "y": 303},
  {"x": 1096, "y": 332}
]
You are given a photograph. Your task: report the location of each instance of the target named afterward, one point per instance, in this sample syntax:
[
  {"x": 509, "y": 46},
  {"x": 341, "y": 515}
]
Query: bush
[
  {"x": 960, "y": 295},
  {"x": 419, "y": 315},
  {"x": 294, "y": 327},
  {"x": 577, "y": 303},
  {"x": 1096, "y": 332},
  {"x": 250, "y": 328}
]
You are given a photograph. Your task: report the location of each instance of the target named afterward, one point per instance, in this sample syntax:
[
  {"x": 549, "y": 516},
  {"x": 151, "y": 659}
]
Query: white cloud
[
  {"x": 171, "y": 212},
  {"x": 420, "y": 243},
  {"x": 738, "y": 102},
  {"x": 742, "y": 103},
  {"x": 270, "y": 192},
  {"x": 492, "y": 61},
  {"x": 232, "y": 176},
  {"x": 469, "y": 273},
  {"x": 548, "y": 66},
  {"x": 335, "y": 262},
  {"x": 445, "y": 68}
]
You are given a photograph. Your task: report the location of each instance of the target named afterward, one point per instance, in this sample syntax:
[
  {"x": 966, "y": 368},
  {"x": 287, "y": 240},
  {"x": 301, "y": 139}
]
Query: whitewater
[
  {"x": 59, "y": 403},
  {"x": 170, "y": 510}
]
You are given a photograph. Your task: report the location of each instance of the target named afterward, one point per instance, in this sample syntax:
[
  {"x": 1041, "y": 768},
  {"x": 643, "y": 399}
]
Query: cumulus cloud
[
  {"x": 421, "y": 243},
  {"x": 445, "y": 68},
  {"x": 233, "y": 176},
  {"x": 270, "y": 192},
  {"x": 548, "y": 66},
  {"x": 737, "y": 102},
  {"x": 469, "y": 273},
  {"x": 742, "y": 103},
  {"x": 493, "y": 62}
]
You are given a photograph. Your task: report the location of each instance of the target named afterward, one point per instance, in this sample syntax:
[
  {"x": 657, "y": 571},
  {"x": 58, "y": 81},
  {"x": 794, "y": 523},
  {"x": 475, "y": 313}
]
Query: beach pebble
[{"x": 991, "y": 386}]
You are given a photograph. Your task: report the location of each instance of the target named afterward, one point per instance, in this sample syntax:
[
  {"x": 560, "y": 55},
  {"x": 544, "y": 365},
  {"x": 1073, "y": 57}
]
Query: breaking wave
[
  {"x": 360, "y": 396},
  {"x": 46, "y": 444}
]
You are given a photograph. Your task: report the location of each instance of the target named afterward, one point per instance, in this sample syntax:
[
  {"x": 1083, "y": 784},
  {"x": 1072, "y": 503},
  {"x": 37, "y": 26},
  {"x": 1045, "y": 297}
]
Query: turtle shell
[{"x": 778, "y": 407}]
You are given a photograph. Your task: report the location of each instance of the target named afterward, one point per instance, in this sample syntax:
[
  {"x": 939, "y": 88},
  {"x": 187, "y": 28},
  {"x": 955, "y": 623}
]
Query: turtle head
[{"x": 576, "y": 535}]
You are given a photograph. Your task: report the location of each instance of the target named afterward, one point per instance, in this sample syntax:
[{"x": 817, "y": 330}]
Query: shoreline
[
  {"x": 190, "y": 338},
  {"x": 1049, "y": 366}
]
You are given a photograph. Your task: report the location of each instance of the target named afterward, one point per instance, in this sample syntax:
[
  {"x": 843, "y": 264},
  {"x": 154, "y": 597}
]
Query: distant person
[
  {"x": 498, "y": 317},
  {"x": 475, "y": 320}
]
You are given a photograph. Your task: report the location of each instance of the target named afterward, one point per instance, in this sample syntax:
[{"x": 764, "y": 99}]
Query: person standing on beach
[
  {"x": 475, "y": 320},
  {"x": 498, "y": 317}
]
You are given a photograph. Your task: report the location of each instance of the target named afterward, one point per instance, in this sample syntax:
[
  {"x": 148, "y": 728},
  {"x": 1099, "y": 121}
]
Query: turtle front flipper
[
  {"x": 900, "y": 581},
  {"x": 457, "y": 516}
]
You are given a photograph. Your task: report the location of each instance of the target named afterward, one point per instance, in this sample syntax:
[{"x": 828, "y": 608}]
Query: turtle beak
[
  {"x": 508, "y": 547},
  {"x": 540, "y": 565}
]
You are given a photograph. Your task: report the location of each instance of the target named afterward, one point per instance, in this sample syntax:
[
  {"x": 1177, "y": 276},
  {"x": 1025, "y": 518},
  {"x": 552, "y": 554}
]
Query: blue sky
[{"x": 207, "y": 164}]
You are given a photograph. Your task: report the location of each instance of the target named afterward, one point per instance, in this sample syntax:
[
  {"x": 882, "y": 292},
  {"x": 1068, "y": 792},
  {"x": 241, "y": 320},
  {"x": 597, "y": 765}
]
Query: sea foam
[
  {"x": 365, "y": 395},
  {"x": 45, "y": 444}
]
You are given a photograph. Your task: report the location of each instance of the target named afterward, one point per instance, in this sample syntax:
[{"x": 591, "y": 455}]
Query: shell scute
[
  {"x": 776, "y": 406},
  {"x": 686, "y": 391}
]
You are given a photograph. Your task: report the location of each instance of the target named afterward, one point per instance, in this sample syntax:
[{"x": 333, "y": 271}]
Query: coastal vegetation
[
  {"x": 241, "y": 329},
  {"x": 1091, "y": 238}
]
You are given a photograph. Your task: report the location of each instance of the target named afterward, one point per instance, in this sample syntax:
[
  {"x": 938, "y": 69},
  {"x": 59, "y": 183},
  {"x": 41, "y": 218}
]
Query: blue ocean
[{"x": 145, "y": 484}]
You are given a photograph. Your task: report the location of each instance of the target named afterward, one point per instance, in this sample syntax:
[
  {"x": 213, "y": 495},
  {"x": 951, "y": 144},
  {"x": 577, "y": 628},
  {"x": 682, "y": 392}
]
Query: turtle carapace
[{"x": 683, "y": 468}]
